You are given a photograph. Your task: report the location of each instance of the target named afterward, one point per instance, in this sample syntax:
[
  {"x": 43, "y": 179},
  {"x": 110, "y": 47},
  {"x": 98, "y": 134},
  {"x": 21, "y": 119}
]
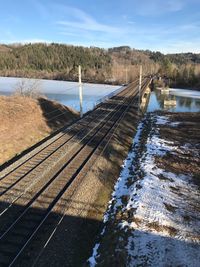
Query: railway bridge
[{"x": 52, "y": 199}]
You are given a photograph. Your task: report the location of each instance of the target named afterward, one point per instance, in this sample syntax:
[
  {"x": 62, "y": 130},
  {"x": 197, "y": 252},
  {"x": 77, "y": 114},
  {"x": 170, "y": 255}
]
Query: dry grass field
[{"x": 26, "y": 121}]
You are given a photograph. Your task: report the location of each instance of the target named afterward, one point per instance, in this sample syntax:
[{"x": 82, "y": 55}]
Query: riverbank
[
  {"x": 153, "y": 217},
  {"x": 54, "y": 76},
  {"x": 26, "y": 121},
  {"x": 186, "y": 86}
]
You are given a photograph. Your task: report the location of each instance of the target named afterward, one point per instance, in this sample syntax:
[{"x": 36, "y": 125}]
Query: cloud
[
  {"x": 73, "y": 25},
  {"x": 182, "y": 46},
  {"x": 83, "y": 29},
  {"x": 25, "y": 41},
  {"x": 78, "y": 19},
  {"x": 127, "y": 19},
  {"x": 6, "y": 34},
  {"x": 41, "y": 9},
  {"x": 190, "y": 27},
  {"x": 159, "y": 7},
  {"x": 12, "y": 19},
  {"x": 9, "y": 34}
]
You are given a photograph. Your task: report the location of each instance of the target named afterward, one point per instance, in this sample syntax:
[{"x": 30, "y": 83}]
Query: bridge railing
[{"x": 103, "y": 99}]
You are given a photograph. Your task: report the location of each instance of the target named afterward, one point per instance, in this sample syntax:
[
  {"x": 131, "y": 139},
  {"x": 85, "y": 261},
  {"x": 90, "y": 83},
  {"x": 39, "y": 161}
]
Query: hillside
[
  {"x": 26, "y": 121},
  {"x": 4, "y": 49},
  {"x": 54, "y": 61},
  {"x": 114, "y": 65},
  {"x": 125, "y": 63}
]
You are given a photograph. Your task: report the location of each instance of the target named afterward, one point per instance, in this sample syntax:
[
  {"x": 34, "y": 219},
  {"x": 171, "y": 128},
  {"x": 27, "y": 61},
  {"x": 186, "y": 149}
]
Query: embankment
[
  {"x": 153, "y": 218},
  {"x": 26, "y": 121}
]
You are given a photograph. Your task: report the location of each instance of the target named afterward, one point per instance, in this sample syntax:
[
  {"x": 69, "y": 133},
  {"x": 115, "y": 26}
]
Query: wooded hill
[
  {"x": 114, "y": 65},
  {"x": 53, "y": 61}
]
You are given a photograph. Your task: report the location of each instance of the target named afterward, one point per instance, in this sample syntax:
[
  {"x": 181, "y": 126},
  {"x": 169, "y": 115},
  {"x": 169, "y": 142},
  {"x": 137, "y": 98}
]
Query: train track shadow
[
  {"x": 64, "y": 239},
  {"x": 84, "y": 158}
]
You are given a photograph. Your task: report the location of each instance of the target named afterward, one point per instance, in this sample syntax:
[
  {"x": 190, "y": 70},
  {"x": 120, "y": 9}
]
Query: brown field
[{"x": 26, "y": 121}]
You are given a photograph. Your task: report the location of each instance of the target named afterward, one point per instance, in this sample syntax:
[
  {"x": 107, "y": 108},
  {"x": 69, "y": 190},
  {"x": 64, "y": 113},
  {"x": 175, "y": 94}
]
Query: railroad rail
[{"x": 37, "y": 185}]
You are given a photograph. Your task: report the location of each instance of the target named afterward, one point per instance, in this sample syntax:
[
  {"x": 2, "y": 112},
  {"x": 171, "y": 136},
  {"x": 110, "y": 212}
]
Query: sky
[{"x": 168, "y": 26}]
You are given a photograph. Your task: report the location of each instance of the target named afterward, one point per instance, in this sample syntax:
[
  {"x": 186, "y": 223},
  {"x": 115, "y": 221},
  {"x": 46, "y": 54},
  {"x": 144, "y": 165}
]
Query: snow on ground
[{"x": 164, "y": 226}]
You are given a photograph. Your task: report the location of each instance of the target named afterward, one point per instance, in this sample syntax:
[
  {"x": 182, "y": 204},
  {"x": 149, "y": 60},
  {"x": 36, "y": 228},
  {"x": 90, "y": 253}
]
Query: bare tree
[{"x": 28, "y": 88}]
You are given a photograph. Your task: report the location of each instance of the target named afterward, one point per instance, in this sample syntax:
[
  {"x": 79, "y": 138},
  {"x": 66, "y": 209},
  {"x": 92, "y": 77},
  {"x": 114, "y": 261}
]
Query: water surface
[
  {"x": 66, "y": 93},
  {"x": 181, "y": 100}
]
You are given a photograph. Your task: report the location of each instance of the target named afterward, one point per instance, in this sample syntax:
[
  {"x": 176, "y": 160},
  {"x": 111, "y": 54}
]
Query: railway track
[
  {"x": 57, "y": 140},
  {"x": 38, "y": 184}
]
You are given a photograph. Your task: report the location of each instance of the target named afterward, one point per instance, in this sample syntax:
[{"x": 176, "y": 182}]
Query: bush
[{"x": 28, "y": 88}]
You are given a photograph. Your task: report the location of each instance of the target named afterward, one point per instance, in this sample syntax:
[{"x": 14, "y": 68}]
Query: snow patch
[
  {"x": 161, "y": 120},
  {"x": 92, "y": 259},
  {"x": 121, "y": 188},
  {"x": 164, "y": 228}
]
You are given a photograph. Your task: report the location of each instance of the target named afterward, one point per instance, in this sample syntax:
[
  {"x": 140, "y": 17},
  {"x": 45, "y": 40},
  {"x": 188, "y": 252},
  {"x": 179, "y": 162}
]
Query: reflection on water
[
  {"x": 177, "y": 100},
  {"x": 66, "y": 93},
  {"x": 72, "y": 100}
]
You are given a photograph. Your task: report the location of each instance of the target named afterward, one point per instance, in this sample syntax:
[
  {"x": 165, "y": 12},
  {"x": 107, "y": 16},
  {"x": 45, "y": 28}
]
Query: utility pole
[
  {"x": 80, "y": 91},
  {"x": 140, "y": 84},
  {"x": 126, "y": 75}
]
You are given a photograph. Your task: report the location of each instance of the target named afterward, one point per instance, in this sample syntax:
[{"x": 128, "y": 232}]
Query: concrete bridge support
[{"x": 145, "y": 98}]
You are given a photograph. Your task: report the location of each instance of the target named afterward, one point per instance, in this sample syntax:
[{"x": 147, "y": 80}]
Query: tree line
[
  {"x": 54, "y": 61},
  {"x": 114, "y": 65},
  {"x": 181, "y": 70}
]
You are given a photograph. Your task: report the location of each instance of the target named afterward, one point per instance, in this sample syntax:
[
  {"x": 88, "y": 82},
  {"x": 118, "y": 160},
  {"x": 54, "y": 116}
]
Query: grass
[{"x": 25, "y": 121}]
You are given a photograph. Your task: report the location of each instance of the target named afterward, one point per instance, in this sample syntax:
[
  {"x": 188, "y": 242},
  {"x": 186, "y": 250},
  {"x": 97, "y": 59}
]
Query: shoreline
[{"x": 52, "y": 78}]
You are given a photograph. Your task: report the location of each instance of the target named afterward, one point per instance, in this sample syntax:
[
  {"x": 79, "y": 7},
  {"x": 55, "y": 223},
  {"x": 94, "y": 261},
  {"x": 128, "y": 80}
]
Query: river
[
  {"x": 66, "y": 93},
  {"x": 175, "y": 100}
]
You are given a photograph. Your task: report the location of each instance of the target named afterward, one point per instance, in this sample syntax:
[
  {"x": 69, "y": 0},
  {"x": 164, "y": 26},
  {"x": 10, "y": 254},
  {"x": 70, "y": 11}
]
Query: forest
[{"x": 114, "y": 65}]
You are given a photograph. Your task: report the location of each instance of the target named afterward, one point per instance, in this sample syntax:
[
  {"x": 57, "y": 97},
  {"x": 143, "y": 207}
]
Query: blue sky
[{"x": 161, "y": 25}]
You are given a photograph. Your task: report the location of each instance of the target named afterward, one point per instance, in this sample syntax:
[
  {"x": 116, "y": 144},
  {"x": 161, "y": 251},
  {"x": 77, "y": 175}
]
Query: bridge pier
[{"x": 145, "y": 98}]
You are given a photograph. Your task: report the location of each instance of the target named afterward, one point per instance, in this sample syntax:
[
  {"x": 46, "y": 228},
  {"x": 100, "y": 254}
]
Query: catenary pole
[
  {"x": 80, "y": 91},
  {"x": 140, "y": 84}
]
